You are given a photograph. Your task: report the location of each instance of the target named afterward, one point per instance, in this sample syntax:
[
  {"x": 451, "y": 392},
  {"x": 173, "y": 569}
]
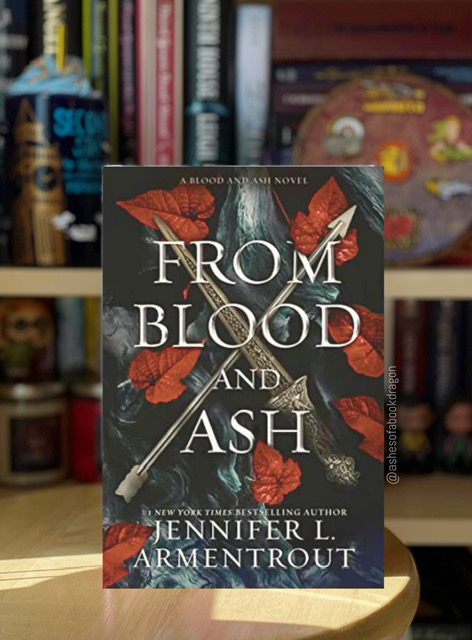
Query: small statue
[
  {"x": 415, "y": 449},
  {"x": 456, "y": 446}
]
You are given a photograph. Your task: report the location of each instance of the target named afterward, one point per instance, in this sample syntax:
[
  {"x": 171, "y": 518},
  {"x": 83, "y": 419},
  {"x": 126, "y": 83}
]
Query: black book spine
[
  {"x": 128, "y": 115},
  {"x": 13, "y": 58},
  {"x": 208, "y": 82},
  {"x": 45, "y": 17}
]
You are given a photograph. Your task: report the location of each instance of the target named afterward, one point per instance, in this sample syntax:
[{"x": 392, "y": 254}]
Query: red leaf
[
  {"x": 309, "y": 229},
  {"x": 347, "y": 249},
  {"x": 186, "y": 291},
  {"x": 183, "y": 209},
  {"x": 121, "y": 542},
  {"x": 274, "y": 477},
  {"x": 161, "y": 372},
  {"x": 365, "y": 354},
  {"x": 363, "y": 414}
]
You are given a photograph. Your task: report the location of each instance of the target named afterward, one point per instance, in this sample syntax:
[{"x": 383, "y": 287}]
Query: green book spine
[
  {"x": 87, "y": 35},
  {"x": 114, "y": 76}
]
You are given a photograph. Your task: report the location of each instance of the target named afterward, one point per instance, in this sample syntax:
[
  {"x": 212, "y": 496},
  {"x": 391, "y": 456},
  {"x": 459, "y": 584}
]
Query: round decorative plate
[{"x": 421, "y": 134}]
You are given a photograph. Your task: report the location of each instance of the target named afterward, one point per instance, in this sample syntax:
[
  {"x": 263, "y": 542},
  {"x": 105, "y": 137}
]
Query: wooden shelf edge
[
  {"x": 432, "y": 283},
  {"x": 429, "y": 284},
  {"x": 436, "y": 532},
  {"x": 50, "y": 282}
]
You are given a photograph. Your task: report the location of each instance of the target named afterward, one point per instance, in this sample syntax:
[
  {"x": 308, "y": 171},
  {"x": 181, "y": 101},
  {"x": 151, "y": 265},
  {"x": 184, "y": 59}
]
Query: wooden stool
[{"x": 50, "y": 588}]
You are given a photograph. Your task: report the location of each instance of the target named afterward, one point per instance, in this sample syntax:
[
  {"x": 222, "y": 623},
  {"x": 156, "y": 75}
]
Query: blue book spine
[
  {"x": 208, "y": 91},
  {"x": 253, "y": 57}
]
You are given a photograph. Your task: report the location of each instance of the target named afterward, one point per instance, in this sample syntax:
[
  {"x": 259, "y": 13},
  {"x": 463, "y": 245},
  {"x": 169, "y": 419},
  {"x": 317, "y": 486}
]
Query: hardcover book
[{"x": 243, "y": 377}]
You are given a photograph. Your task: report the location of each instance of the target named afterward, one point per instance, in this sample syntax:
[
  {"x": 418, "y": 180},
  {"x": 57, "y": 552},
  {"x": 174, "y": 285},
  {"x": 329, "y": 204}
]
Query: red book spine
[
  {"x": 410, "y": 346},
  {"x": 141, "y": 44},
  {"x": 372, "y": 30},
  {"x": 168, "y": 101}
]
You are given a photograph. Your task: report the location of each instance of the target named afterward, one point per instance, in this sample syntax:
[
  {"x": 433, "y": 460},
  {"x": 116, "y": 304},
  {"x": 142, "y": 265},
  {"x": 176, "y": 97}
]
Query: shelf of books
[{"x": 430, "y": 509}]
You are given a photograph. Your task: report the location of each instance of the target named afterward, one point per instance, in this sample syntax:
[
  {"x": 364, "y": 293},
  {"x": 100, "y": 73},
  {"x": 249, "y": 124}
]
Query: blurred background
[{"x": 83, "y": 84}]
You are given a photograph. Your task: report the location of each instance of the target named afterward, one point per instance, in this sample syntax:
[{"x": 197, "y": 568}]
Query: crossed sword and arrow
[{"x": 289, "y": 395}]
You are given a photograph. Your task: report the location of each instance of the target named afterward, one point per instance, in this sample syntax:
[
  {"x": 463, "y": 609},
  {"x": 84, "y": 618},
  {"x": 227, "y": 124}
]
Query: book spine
[
  {"x": 145, "y": 78},
  {"x": 466, "y": 373},
  {"x": 45, "y": 17},
  {"x": 95, "y": 36},
  {"x": 113, "y": 46},
  {"x": 70, "y": 342},
  {"x": 411, "y": 346},
  {"x": 168, "y": 105},
  {"x": 372, "y": 30},
  {"x": 446, "y": 348},
  {"x": 13, "y": 58},
  {"x": 253, "y": 55},
  {"x": 208, "y": 78},
  {"x": 128, "y": 115},
  {"x": 92, "y": 317},
  {"x": 87, "y": 36}
]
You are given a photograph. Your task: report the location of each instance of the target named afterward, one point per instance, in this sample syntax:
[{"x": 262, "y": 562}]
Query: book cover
[
  {"x": 253, "y": 56},
  {"x": 243, "y": 377},
  {"x": 208, "y": 90}
]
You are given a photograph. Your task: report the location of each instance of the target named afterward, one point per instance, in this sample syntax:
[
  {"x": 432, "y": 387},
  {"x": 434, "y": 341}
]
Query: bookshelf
[{"x": 432, "y": 283}]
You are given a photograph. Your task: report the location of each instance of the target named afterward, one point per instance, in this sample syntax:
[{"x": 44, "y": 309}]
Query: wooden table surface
[{"x": 50, "y": 588}]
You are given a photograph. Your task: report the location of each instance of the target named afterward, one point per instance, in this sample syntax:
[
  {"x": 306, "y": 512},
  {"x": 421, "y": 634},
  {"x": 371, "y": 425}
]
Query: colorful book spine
[
  {"x": 253, "y": 55},
  {"x": 113, "y": 68},
  {"x": 169, "y": 67},
  {"x": 45, "y": 16},
  {"x": 145, "y": 81},
  {"x": 363, "y": 29},
  {"x": 411, "y": 318},
  {"x": 208, "y": 80},
  {"x": 446, "y": 350},
  {"x": 159, "y": 80},
  {"x": 127, "y": 70},
  {"x": 94, "y": 42}
]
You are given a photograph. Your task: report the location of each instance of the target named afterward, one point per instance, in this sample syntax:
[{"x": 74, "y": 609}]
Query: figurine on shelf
[
  {"x": 456, "y": 445},
  {"x": 415, "y": 450},
  {"x": 27, "y": 339}
]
